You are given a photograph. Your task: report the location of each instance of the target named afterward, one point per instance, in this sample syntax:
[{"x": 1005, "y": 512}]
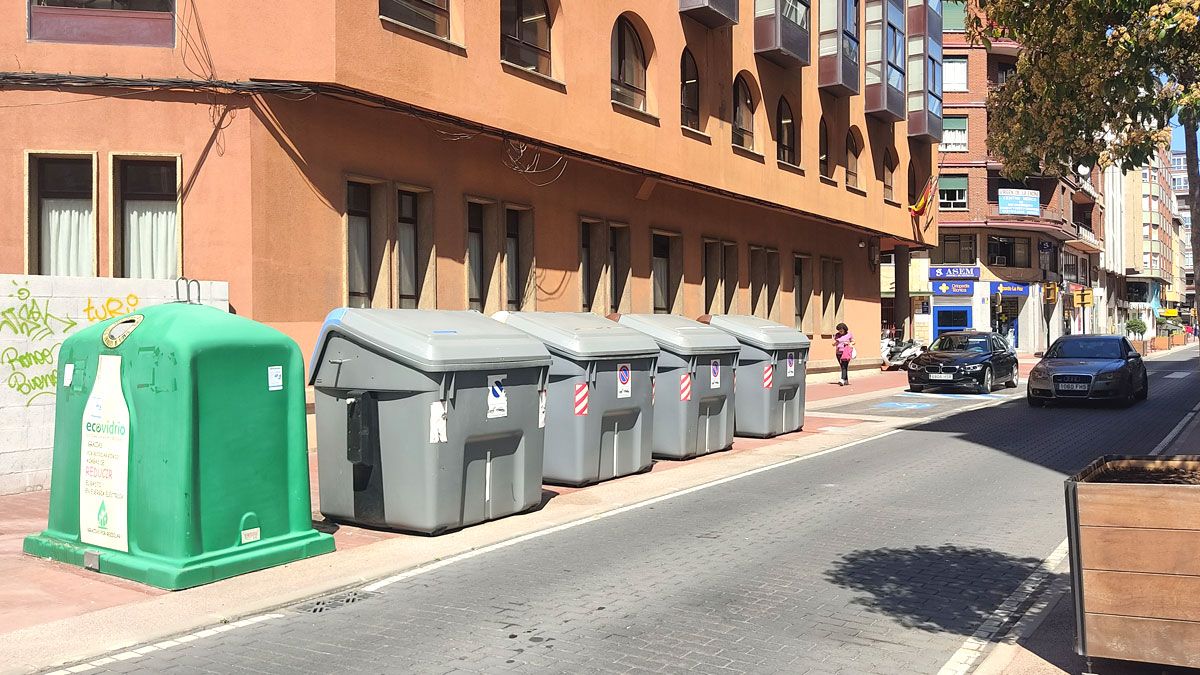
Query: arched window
[
  {"x": 628, "y": 66},
  {"x": 852, "y": 151},
  {"x": 889, "y": 176},
  {"x": 743, "y": 115},
  {"x": 823, "y": 141},
  {"x": 785, "y": 132},
  {"x": 689, "y": 95},
  {"x": 525, "y": 34}
]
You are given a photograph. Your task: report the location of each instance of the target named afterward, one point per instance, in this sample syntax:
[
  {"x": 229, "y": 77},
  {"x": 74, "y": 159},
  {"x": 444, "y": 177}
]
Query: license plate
[
  {"x": 1067, "y": 386},
  {"x": 941, "y": 376}
]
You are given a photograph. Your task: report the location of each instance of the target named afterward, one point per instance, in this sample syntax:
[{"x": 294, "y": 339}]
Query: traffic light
[{"x": 1050, "y": 294}]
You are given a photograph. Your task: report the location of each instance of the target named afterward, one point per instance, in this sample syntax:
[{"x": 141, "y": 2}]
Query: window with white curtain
[
  {"x": 66, "y": 234},
  {"x": 514, "y": 292},
  {"x": 358, "y": 260},
  {"x": 661, "y": 273},
  {"x": 149, "y": 220},
  {"x": 406, "y": 249},
  {"x": 954, "y": 73},
  {"x": 475, "y": 283}
]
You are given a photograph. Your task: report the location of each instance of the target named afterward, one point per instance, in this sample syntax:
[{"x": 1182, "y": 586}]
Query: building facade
[
  {"x": 1179, "y": 185},
  {"x": 1155, "y": 289},
  {"x": 689, "y": 157},
  {"x": 1018, "y": 258}
]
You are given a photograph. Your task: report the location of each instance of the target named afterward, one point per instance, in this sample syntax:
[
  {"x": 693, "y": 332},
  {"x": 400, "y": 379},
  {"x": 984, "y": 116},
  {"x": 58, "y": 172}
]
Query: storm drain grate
[{"x": 332, "y": 602}]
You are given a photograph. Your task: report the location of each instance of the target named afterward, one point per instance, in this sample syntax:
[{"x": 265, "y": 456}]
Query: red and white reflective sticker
[
  {"x": 768, "y": 376},
  {"x": 581, "y": 400},
  {"x": 685, "y": 387}
]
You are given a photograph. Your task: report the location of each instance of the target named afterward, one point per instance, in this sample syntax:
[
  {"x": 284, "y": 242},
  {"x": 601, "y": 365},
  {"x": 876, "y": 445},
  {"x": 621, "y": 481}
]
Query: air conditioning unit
[{"x": 1000, "y": 261}]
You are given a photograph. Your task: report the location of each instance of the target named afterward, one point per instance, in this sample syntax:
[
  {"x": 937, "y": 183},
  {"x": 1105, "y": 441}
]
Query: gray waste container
[
  {"x": 598, "y": 412},
  {"x": 427, "y": 420},
  {"x": 693, "y": 401},
  {"x": 771, "y": 371}
]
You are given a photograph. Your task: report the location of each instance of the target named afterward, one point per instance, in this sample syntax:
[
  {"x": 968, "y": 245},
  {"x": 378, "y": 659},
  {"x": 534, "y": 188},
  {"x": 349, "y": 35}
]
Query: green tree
[
  {"x": 1136, "y": 327},
  {"x": 1097, "y": 82}
]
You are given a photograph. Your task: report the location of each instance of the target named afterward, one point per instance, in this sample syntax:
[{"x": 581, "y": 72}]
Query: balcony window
[
  {"x": 954, "y": 136},
  {"x": 147, "y": 23},
  {"x": 689, "y": 96},
  {"x": 781, "y": 31},
  {"x": 924, "y": 73},
  {"x": 785, "y": 132},
  {"x": 743, "y": 115},
  {"x": 628, "y": 66},
  {"x": 406, "y": 249},
  {"x": 952, "y": 193},
  {"x": 885, "y": 68},
  {"x": 838, "y": 47},
  {"x": 1008, "y": 251},
  {"x": 525, "y": 34},
  {"x": 956, "y": 249},
  {"x": 427, "y": 16}
]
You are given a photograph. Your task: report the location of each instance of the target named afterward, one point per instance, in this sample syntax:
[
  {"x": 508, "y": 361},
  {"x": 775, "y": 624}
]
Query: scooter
[{"x": 898, "y": 354}]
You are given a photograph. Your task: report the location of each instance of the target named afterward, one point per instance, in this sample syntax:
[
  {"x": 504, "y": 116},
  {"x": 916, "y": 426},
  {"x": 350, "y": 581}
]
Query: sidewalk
[{"x": 51, "y": 613}]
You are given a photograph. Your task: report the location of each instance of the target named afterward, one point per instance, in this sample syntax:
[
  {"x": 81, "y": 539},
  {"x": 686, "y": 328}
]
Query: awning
[{"x": 1015, "y": 226}]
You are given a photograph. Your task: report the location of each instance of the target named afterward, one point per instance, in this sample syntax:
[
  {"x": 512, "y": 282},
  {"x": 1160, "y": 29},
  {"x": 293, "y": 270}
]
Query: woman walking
[{"x": 843, "y": 347}]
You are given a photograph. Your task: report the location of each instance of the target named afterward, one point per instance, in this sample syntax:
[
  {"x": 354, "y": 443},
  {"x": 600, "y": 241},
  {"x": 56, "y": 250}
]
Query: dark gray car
[{"x": 1089, "y": 367}]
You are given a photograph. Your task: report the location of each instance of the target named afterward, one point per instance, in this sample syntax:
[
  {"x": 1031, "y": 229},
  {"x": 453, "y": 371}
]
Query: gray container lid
[
  {"x": 682, "y": 336},
  {"x": 760, "y": 333},
  {"x": 434, "y": 340},
  {"x": 581, "y": 335}
]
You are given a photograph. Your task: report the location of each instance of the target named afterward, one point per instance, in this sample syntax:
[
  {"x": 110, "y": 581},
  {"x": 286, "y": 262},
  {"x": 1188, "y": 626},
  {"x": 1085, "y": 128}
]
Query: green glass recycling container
[{"x": 180, "y": 449}]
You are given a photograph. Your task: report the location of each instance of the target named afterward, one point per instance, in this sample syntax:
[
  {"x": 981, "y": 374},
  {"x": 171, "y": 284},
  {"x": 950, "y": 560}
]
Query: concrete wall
[{"x": 36, "y": 314}]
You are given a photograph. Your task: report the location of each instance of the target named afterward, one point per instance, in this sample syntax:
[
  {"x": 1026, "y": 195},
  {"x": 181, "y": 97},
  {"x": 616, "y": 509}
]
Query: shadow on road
[{"x": 944, "y": 589}]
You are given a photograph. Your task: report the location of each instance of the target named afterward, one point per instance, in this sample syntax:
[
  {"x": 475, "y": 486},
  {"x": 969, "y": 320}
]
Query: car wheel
[
  {"x": 985, "y": 385},
  {"x": 1145, "y": 392},
  {"x": 916, "y": 388},
  {"x": 1015, "y": 380},
  {"x": 1035, "y": 402}
]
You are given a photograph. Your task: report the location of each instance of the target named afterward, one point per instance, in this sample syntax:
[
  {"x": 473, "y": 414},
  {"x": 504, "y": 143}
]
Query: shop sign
[
  {"x": 953, "y": 272},
  {"x": 1009, "y": 288},
  {"x": 1168, "y": 312},
  {"x": 1020, "y": 202},
  {"x": 954, "y": 288}
]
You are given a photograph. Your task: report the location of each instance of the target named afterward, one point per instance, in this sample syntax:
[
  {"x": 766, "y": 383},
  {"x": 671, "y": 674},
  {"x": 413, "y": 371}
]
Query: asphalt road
[{"x": 882, "y": 557}]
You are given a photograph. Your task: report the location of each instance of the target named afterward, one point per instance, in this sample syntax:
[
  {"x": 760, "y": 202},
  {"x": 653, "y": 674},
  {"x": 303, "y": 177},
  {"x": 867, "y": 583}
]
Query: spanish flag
[{"x": 922, "y": 206}]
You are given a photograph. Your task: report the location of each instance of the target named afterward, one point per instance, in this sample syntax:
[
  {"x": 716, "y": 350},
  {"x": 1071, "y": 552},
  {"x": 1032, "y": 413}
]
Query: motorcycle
[{"x": 897, "y": 354}]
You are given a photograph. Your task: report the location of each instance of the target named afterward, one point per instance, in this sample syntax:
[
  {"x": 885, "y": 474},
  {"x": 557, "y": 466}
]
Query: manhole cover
[{"x": 332, "y": 602}]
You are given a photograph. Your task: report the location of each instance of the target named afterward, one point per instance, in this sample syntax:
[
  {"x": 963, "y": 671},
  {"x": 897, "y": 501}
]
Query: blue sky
[{"x": 1177, "y": 138}]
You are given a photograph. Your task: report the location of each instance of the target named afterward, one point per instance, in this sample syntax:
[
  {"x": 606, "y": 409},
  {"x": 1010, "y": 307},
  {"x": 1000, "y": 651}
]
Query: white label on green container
[
  {"x": 497, "y": 400},
  {"x": 251, "y": 535},
  {"x": 68, "y": 374},
  {"x": 104, "y": 461},
  {"x": 274, "y": 378}
]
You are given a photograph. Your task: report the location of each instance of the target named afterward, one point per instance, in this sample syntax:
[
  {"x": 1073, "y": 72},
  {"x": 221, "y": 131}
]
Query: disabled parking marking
[
  {"x": 957, "y": 397},
  {"x": 901, "y": 405}
]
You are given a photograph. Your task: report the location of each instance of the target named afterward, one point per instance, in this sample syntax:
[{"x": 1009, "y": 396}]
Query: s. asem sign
[{"x": 953, "y": 272}]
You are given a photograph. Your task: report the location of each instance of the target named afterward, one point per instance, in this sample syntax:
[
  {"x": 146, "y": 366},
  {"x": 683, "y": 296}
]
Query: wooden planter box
[
  {"x": 1177, "y": 339},
  {"x": 1135, "y": 561},
  {"x": 1161, "y": 342},
  {"x": 1142, "y": 346}
]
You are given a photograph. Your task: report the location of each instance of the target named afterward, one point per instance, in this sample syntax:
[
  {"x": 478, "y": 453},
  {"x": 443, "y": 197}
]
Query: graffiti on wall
[
  {"x": 102, "y": 310},
  {"x": 31, "y": 370}
]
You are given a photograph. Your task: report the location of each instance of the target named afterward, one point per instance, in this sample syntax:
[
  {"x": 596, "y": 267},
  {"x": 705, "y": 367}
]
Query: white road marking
[
  {"x": 1176, "y": 375},
  {"x": 1166, "y": 442},
  {"x": 975, "y": 646}
]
